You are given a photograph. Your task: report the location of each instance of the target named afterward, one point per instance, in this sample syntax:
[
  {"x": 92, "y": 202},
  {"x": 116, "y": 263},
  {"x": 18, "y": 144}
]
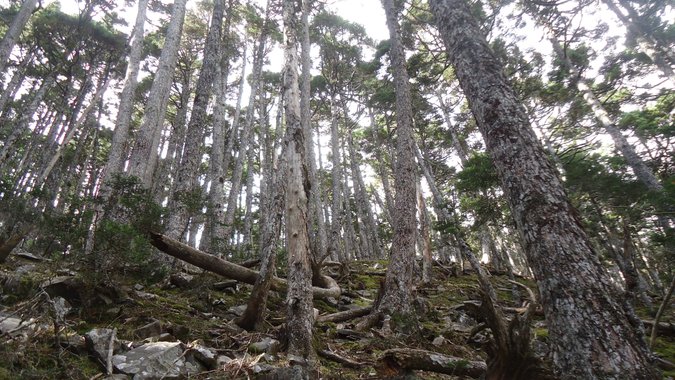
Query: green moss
[{"x": 541, "y": 332}]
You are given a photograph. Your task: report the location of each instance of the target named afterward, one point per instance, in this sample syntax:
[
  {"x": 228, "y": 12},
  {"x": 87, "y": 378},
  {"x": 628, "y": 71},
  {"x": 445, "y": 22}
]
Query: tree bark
[
  {"x": 12, "y": 34},
  {"x": 584, "y": 319},
  {"x": 397, "y": 296},
  {"x": 300, "y": 313},
  {"x": 143, "y": 158},
  {"x": 186, "y": 175}
]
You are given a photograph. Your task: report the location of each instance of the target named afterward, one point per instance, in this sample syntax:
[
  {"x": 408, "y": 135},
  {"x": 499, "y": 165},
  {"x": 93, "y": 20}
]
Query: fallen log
[
  {"x": 227, "y": 269},
  {"x": 397, "y": 361},
  {"x": 345, "y": 315}
]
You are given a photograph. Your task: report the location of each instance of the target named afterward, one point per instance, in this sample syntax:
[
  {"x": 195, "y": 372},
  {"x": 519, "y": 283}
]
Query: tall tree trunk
[
  {"x": 575, "y": 290},
  {"x": 270, "y": 229},
  {"x": 300, "y": 315},
  {"x": 397, "y": 297},
  {"x": 362, "y": 198},
  {"x": 118, "y": 149},
  {"x": 186, "y": 175},
  {"x": 317, "y": 226},
  {"x": 337, "y": 211},
  {"x": 221, "y": 152},
  {"x": 245, "y": 137},
  {"x": 15, "y": 82},
  {"x": 84, "y": 118},
  {"x": 144, "y": 154},
  {"x": 12, "y": 34}
]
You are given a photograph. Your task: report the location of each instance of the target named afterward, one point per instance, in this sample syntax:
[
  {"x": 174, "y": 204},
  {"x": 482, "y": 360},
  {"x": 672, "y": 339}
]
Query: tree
[
  {"x": 575, "y": 289},
  {"x": 14, "y": 31},
  {"x": 300, "y": 314},
  {"x": 143, "y": 158},
  {"x": 397, "y": 297}
]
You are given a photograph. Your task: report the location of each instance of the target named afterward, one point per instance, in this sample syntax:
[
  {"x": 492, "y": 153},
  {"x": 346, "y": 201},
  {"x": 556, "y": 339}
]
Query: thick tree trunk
[
  {"x": 220, "y": 159},
  {"x": 144, "y": 154},
  {"x": 300, "y": 313},
  {"x": 584, "y": 319},
  {"x": 397, "y": 296},
  {"x": 12, "y": 34},
  {"x": 186, "y": 175}
]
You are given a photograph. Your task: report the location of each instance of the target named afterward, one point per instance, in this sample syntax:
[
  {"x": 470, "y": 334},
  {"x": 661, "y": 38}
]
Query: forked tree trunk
[{"x": 584, "y": 318}]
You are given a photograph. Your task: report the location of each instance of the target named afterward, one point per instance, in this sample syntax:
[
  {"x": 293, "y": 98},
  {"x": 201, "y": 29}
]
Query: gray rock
[
  {"x": 24, "y": 269},
  {"x": 61, "y": 308},
  {"x": 205, "y": 355},
  {"x": 161, "y": 360},
  {"x": 223, "y": 360},
  {"x": 237, "y": 310},
  {"x": 15, "y": 326},
  {"x": 145, "y": 296},
  {"x": 267, "y": 345},
  {"x": 138, "y": 287},
  {"x": 98, "y": 341},
  {"x": 225, "y": 285},
  {"x": 438, "y": 341},
  {"x": 182, "y": 280},
  {"x": 73, "y": 342},
  {"x": 153, "y": 328}
]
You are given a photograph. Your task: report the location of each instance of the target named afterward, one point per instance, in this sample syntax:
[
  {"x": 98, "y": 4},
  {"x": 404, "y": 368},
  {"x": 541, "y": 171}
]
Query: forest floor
[{"x": 199, "y": 310}]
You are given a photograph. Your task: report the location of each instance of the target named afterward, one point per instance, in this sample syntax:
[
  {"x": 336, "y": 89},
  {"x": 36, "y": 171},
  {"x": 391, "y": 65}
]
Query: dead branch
[{"x": 330, "y": 355}]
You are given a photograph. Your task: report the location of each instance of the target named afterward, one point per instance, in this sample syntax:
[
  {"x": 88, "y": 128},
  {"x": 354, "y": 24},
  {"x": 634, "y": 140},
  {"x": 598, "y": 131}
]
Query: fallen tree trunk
[
  {"x": 396, "y": 362},
  {"x": 230, "y": 270}
]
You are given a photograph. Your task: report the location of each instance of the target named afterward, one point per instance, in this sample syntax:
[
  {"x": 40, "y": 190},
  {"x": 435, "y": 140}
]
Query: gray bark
[
  {"x": 300, "y": 314},
  {"x": 425, "y": 235},
  {"x": 337, "y": 212},
  {"x": 317, "y": 226},
  {"x": 118, "y": 149},
  {"x": 144, "y": 154},
  {"x": 245, "y": 137},
  {"x": 186, "y": 175},
  {"x": 398, "y": 285},
  {"x": 583, "y": 316},
  {"x": 14, "y": 31}
]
